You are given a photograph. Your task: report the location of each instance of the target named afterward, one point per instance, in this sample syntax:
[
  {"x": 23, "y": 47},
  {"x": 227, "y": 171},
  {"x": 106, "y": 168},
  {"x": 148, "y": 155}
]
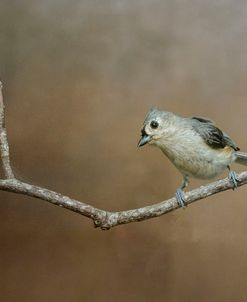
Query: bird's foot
[
  {"x": 233, "y": 177},
  {"x": 180, "y": 198}
]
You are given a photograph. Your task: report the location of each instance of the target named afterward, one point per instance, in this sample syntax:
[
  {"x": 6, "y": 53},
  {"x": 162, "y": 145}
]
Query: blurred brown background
[{"x": 79, "y": 77}]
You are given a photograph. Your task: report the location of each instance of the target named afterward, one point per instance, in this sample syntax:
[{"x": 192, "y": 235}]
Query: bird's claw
[
  {"x": 233, "y": 177},
  {"x": 180, "y": 198}
]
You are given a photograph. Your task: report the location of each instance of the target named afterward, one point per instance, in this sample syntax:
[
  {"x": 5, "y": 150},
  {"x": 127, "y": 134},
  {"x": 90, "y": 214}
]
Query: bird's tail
[{"x": 241, "y": 158}]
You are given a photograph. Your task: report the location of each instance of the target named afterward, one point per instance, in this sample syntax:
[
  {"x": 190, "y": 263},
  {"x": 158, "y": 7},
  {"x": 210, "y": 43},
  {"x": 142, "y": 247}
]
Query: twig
[
  {"x": 4, "y": 146},
  {"x": 106, "y": 219},
  {"x": 101, "y": 218}
]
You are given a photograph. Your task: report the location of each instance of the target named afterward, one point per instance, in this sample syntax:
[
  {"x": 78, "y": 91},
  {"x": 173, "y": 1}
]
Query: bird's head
[{"x": 155, "y": 127}]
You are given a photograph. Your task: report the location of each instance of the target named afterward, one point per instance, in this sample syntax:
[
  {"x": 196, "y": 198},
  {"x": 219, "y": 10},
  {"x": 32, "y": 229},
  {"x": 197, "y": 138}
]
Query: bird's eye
[{"x": 154, "y": 124}]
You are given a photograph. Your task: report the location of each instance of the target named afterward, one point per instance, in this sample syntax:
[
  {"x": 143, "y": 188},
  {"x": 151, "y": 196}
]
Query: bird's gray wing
[
  {"x": 211, "y": 134},
  {"x": 203, "y": 119},
  {"x": 230, "y": 142}
]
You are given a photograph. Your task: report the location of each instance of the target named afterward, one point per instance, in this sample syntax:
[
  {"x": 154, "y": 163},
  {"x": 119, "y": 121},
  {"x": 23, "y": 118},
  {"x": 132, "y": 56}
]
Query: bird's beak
[{"x": 144, "y": 140}]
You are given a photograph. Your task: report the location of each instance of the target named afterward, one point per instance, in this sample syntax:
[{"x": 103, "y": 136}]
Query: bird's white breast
[{"x": 193, "y": 157}]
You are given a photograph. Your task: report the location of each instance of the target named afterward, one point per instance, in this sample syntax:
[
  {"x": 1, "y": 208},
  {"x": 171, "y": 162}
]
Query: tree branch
[
  {"x": 4, "y": 146},
  {"x": 101, "y": 218}
]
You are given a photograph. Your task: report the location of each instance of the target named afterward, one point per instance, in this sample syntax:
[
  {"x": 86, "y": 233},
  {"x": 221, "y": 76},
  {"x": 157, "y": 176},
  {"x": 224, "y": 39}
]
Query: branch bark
[
  {"x": 101, "y": 218},
  {"x": 4, "y": 146}
]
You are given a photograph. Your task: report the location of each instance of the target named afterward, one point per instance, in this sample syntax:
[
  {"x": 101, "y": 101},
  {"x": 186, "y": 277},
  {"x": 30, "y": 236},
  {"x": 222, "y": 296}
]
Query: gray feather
[
  {"x": 241, "y": 158},
  {"x": 203, "y": 119},
  {"x": 211, "y": 134}
]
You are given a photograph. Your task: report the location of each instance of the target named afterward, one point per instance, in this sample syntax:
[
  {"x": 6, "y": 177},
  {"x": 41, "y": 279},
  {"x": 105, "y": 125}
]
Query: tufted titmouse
[{"x": 194, "y": 145}]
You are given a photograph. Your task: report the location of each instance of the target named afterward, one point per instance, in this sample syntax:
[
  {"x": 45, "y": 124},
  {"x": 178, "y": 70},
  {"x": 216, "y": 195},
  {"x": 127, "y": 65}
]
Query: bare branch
[
  {"x": 101, "y": 218},
  {"x": 4, "y": 146},
  {"x": 106, "y": 219}
]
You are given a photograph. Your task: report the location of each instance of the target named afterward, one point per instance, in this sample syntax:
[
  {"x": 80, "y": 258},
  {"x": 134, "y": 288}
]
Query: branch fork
[{"x": 101, "y": 218}]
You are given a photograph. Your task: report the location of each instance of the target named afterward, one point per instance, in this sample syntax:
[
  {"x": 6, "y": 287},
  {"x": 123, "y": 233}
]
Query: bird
[{"x": 195, "y": 145}]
